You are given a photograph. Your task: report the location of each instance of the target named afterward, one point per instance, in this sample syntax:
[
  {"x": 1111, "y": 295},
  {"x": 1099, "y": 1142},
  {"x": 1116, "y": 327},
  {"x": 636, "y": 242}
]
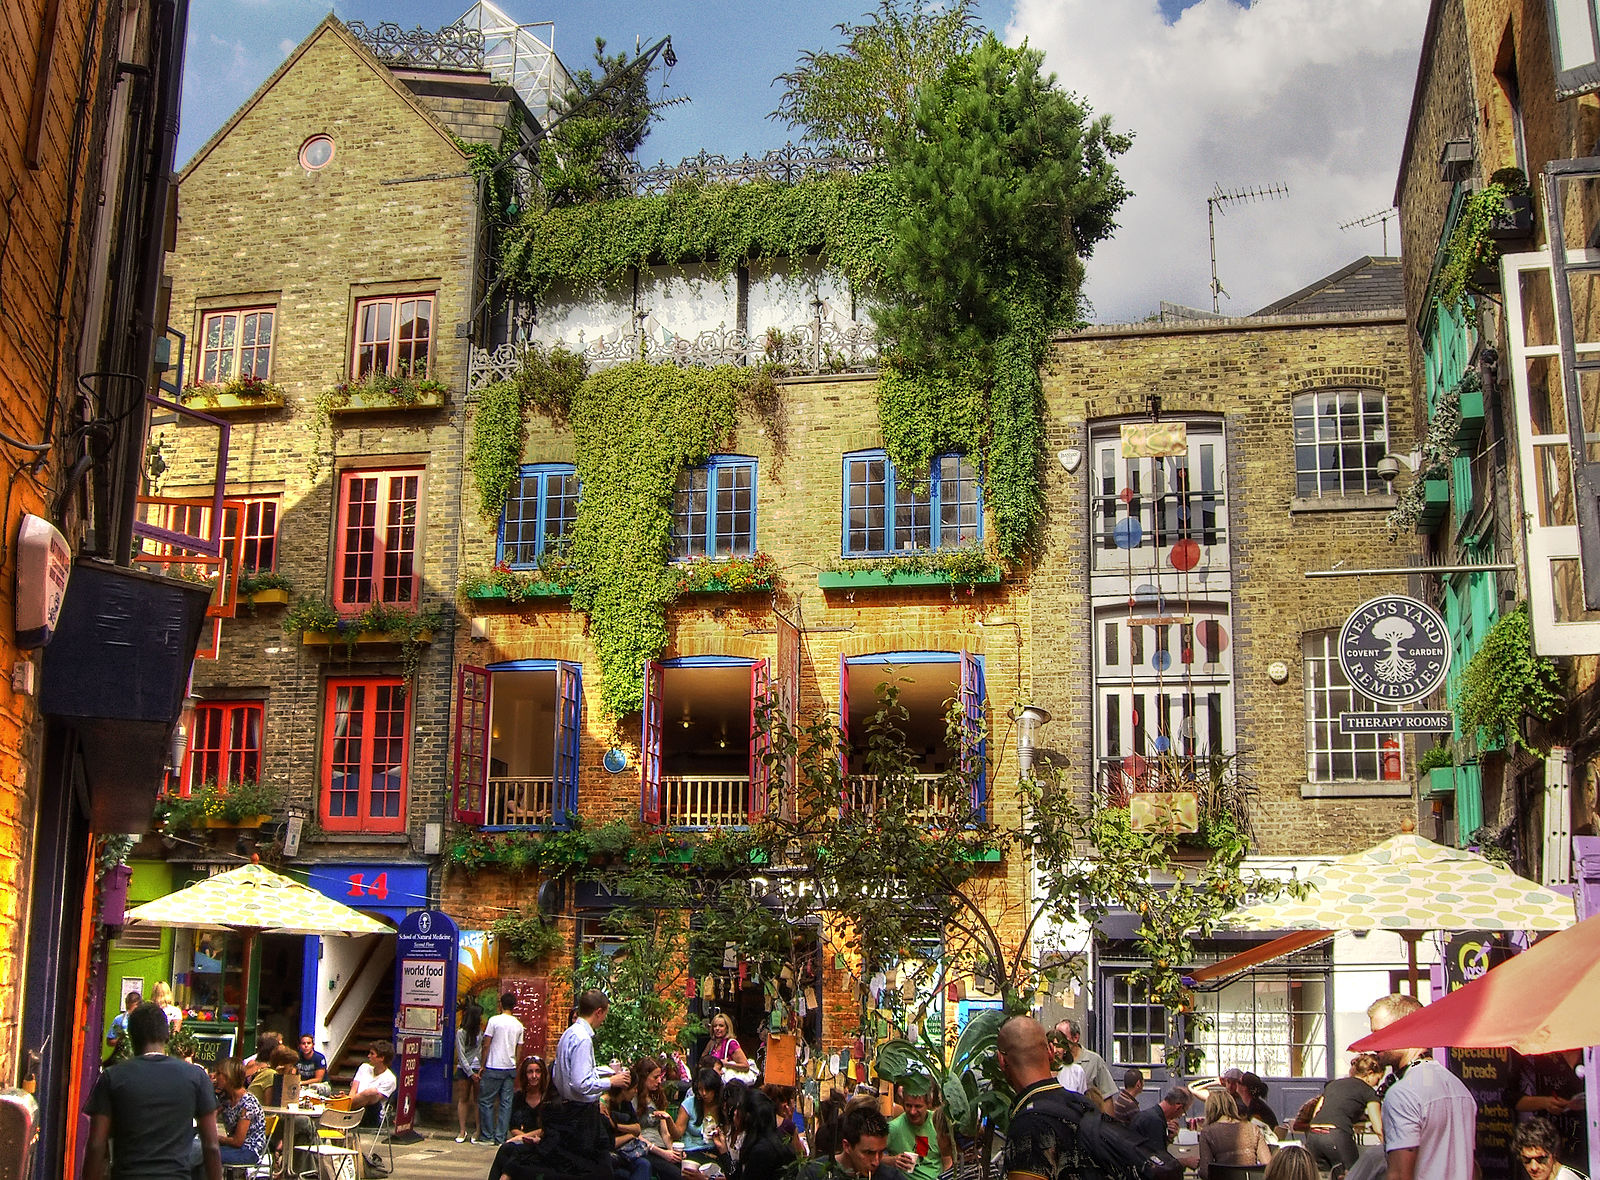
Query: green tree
[
  {"x": 843, "y": 99},
  {"x": 602, "y": 121}
]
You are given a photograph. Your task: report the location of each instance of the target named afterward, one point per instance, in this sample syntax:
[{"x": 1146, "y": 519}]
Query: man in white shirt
[
  {"x": 1429, "y": 1118},
  {"x": 374, "y": 1083},
  {"x": 502, "y": 1040}
]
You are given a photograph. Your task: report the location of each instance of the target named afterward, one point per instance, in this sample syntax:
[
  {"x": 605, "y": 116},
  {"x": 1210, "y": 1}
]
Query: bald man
[
  {"x": 1042, "y": 1143},
  {"x": 1429, "y": 1117}
]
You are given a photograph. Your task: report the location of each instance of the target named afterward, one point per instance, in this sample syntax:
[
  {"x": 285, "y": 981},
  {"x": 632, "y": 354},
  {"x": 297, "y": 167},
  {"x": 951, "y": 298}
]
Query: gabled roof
[
  {"x": 329, "y": 24},
  {"x": 1367, "y": 284}
]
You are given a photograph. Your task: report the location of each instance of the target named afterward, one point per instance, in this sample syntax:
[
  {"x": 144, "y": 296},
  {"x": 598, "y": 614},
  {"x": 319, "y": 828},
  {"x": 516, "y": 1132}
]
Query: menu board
[{"x": 1486, "y": 1073}]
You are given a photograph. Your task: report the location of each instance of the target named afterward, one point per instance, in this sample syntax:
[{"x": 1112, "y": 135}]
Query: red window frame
[
  {"x": 386, "y": 338},
  {"x": 375, "y": 542},
  {"x": 225, "y": 741},
  {"x": 247, "y": 355},
  {"x": 366, "y": 725},
  {"x": 256, "y": 535}
]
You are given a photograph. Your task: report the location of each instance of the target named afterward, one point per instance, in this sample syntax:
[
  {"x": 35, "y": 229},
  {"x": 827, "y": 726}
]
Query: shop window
[
  {"x": 714, "y": 509},
  {"x": 224, "y": 745},
  {"x": 392, "y": 337},
  {"x": 235, "y": 343},
  {"x": 376, "y": 547},
  {"x": 1272, "y": 1022},
  {"x": 887, "y": 512},
  {"x": 539, "y": 513},
  {"x": 365, "y": 751}
]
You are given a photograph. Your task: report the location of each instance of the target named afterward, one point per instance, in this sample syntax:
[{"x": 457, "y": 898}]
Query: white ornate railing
[
  {"x": 928, "y": 802},
  {"x": 519, "y": 802},
  {"x": 819, "y": 347},
  {"x": 721, "y": 802}
]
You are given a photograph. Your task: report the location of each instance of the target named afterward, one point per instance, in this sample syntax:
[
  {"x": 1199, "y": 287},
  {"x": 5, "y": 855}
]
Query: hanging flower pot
[{"x": 114, "y": 894}]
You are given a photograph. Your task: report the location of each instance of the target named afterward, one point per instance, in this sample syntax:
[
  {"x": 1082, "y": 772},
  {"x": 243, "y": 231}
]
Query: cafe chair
[
  {"x": 370, "y": 1139},
  {"x": 337, "y": 1151}
]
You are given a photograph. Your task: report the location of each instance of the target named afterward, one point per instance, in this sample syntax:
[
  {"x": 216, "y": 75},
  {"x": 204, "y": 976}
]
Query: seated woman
[
  {"x": 1227, "y": 1137},
  {"x": 696, "y": 1126},
  {"x": 241, "y": 1127},
  {"x": 533, "y": 1095}
]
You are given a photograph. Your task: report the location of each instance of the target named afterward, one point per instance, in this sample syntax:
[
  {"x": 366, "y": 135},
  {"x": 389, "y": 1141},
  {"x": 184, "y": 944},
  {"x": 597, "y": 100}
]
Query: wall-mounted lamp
[{"x": 1029, "y": 719}]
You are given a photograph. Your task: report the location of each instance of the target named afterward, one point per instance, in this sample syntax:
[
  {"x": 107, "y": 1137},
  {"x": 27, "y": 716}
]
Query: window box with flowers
[
  {"x": 322, "y": 626},
  {"x": 756, "y": 574},
  {"x": 551, "y": 578},
  {"x": 964, "y": 568},
  {"x": 383, "y": 393},
  {"x": 240, "y": 394},
  {"x": 247, "y": 804},
  {"x": 267, "y": 588}
]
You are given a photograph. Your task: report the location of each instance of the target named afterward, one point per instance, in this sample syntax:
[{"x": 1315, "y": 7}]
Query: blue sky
[{"x": 1308, "y": 93}]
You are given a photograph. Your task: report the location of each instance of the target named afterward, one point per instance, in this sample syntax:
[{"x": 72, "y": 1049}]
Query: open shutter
[
  {"x": 760, "y": 738},
  {"x": 787, "y": 682},
  {"x": 974, "y": 745},
  {"x": 844, "y": 734},
  {"x": 650, "y": 746},
  {"x": 472, "y": 742},
  {"x": 569, "y": 689}
]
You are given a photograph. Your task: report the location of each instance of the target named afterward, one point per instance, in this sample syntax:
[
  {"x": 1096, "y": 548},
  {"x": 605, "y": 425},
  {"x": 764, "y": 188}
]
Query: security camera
[{"x": 1388, "y": 469}]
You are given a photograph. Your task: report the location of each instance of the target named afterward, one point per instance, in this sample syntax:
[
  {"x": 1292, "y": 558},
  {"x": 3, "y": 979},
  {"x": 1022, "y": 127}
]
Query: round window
[{"x": 316, "y": 152}]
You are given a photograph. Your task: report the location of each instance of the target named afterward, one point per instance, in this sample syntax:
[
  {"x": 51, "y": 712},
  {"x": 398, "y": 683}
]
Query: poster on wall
[
  {"x": 1486, "y": 1073},
  {"x": 478, "y": 972}
]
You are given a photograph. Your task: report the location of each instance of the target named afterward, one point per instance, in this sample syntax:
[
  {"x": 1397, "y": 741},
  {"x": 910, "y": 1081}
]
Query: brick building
[
  {"x": 89, "y": 102},
  {"x": 1498, "y": 89},
  {"x": 1179, "y": 584}
]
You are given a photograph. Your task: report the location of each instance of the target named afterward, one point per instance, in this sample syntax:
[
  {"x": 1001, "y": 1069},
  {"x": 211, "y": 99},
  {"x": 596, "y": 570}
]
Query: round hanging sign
[
  {"x": 1394, "y": 649},
  {"x": 616, "y": 760}
]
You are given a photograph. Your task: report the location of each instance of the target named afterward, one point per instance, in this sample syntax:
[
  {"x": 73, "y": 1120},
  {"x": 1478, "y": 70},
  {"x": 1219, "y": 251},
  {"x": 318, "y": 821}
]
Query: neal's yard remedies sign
[{"x": 1394, "y": 649}]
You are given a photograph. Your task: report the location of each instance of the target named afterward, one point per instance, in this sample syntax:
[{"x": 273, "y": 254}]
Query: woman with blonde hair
[
  {"x": 161, "y": 995},
  {"x": 1227, "y": 1137},
  {"x": 1292, "y": 1162}
]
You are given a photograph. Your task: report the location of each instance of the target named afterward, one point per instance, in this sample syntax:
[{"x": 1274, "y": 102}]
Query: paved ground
[{"x": 440, "y": 1156}]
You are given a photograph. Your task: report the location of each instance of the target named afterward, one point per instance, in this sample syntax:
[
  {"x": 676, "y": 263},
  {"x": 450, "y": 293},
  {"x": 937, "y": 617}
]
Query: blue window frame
[
  {"x": 540, "y": 511},
  {"x": 714, "y": 509},
  {"x": 885, "y": 512}
]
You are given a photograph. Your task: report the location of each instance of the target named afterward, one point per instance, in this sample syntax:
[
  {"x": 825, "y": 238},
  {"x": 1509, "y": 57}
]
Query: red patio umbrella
[{"x": 1542, "y": 1001}]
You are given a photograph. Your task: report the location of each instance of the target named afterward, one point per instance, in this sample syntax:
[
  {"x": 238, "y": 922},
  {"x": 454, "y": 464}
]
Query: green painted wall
[{"x": 151, "y": 879}]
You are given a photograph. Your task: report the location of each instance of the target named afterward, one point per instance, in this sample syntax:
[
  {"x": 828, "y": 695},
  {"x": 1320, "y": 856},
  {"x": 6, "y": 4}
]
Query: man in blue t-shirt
[
  {"x": 312, "y": 1066},
  {"x": 151, "y": 1106}
]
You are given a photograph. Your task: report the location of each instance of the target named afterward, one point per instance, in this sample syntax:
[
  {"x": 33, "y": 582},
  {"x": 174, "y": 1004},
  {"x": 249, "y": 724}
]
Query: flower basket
[
  {"x": 382, "y": 401},
  {"x": 239, "y": 395},
  {"x": 882, "y": 579},
  {"x": 487, "y": 593},
  {"x": 269, "y": 598}
]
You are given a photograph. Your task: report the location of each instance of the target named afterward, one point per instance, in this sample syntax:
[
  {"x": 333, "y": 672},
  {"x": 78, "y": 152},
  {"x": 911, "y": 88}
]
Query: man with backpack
[{"x": 1056, "y": 1134}]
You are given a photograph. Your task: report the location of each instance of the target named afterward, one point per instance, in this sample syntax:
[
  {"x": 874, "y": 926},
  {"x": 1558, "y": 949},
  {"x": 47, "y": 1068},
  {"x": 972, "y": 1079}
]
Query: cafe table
[{"x": 289, "y": 1116}]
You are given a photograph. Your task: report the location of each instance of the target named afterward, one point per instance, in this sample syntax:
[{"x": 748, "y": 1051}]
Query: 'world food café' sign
[{"x": 1394, "y": 650}]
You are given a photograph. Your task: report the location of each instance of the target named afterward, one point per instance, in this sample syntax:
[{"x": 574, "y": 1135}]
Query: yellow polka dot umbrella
[
  {"x": 253, "y": 900},
  {"x": 1411, "y": 885}
]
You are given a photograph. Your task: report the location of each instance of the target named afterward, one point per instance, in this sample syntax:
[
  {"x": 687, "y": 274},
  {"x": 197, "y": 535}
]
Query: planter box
[
  {"x": 233, "y": 403},
  {"x": 1472, "y": 415},
  {"x": 364, "y": 403},
  {"x": 1441, "y": 780},
  {"x": 874, "y": 579},
  {"x": 269, "y": 598},
  {"x": 717, "y": 586},
  {"x": 247, "y": 821},
  {"x": 534, "y": 590},
  {"x": 1435, "y": 504},
  {"x": 1516, "y": 223},
  {"x": 327, "y": 638},
  {"x": 114, "y": 895}
]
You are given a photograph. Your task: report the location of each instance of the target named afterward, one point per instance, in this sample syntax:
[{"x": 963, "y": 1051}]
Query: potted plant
[
  {"x": 1500, "y": 211},
  {"x": 1513, "y": 220},
  {"x": 245, "y": 392},
  {"x": 265, "y": 588}
]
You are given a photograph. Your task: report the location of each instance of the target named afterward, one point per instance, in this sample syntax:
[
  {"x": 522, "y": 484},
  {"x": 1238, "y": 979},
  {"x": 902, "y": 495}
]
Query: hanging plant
[
  {"x": 1439, "y": 446},
  {"x": 1480, "y": 225},
  {"x": 1506, "y": 683},
  {"x": 545, "y": 381}
]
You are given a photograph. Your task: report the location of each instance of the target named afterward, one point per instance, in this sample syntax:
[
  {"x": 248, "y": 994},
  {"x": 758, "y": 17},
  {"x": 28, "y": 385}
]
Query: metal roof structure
[{"x": 517, "y": 54}]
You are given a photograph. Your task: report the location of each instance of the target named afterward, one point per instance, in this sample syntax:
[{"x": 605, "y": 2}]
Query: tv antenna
[
  {"x": 1381, "y": 217},
  {"x": 1217, "y": 200}
]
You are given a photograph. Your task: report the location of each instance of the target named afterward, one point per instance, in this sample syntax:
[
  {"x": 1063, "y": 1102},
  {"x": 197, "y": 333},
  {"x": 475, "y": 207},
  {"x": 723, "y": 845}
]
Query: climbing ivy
[
  {"x": 1505, "y": 683},
  {"x": 847, "y": 219},
  {"x": 637, "y": 427},
  {"x": 546, "y": 381}
]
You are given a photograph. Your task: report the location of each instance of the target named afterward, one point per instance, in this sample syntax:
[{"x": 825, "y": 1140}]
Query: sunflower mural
[{"x": 478, "y": 972}]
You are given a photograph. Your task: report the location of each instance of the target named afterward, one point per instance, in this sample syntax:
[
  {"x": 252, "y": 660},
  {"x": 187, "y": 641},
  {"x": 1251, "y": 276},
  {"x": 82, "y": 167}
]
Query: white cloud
[{"x": 1307, "y": 93}]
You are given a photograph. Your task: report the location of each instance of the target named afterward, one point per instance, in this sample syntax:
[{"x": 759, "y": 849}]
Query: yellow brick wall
[
  {"x": 258, "y": 229},
  {"x": 1245, "y": 372}
]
